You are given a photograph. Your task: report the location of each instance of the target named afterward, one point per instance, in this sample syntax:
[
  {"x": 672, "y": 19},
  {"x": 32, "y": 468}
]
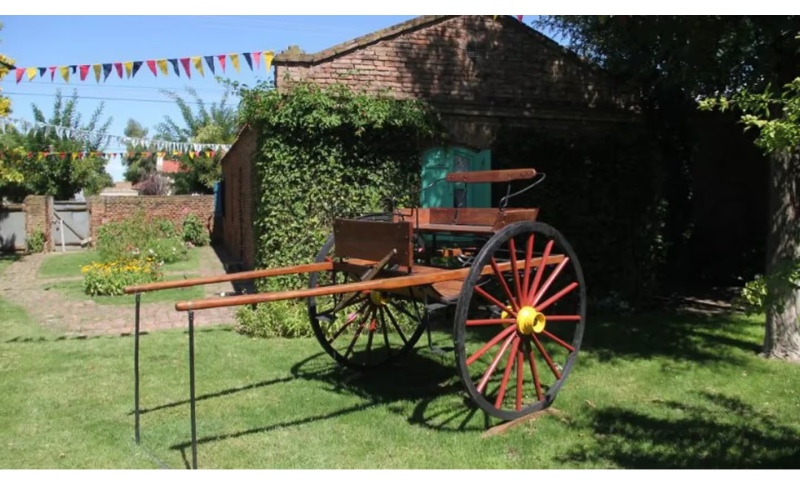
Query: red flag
[
  {"x": 222, "y": 61},
  {"x": 152, "y": 65},
  {"x": 52, "y": 73},
  {"x": 63, "y": 155},
  {"x": 519, "y": 17},
  {"x": 118, "y": 67},
  {"x": 185, "y": 64},
  {"x": 257, "y": 58},
  {"x": 84, "y": 71},
  {"x": 19, "y": 73}
]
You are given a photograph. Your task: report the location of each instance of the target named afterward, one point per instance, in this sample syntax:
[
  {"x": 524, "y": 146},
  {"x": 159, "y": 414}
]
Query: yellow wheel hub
[
  {"x": 378, "y": 298},
  {"x": 530, "y": 321}
]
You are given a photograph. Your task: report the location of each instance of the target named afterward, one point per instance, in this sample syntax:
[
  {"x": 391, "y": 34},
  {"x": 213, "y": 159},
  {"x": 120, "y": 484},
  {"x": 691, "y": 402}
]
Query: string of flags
[
  {"x": 155, "y": 145},
  {"x": 108, "y": 154},
  {"x": 155, "y": 66}
]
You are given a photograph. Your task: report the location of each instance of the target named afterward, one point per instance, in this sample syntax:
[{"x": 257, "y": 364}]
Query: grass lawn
[
  {"x": 650, "y": 391},
  {"x": 74, "y": 291},
  {"x": 65, "y": 265},
  {"x": 6, "y": 260}
]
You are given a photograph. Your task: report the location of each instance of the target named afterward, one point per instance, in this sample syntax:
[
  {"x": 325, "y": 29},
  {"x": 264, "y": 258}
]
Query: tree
[
  {"x": 683, "y": 59},
  {"x": 10, "y": 156},
  {"x": 216, "y": 124},
  {"x": 140, "y": 162},
  {"x": 71, "y": 163}
]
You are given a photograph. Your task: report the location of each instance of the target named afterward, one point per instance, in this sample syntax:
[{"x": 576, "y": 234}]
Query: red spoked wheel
[{"x": 519, "y": 320}]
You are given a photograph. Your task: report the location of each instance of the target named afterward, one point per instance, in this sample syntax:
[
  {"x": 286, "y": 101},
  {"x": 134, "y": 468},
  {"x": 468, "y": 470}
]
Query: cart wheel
[
  {"x": 370, "y": 329},
  {"x": 517, "y": 333}
]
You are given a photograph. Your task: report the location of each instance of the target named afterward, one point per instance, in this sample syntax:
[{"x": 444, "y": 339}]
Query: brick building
[{"x": 481, "y": 73}]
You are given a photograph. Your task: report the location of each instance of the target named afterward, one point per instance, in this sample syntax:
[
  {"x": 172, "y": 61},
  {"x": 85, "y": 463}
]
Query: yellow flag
[
  {"x": 31, "y": 71},
  {"x": 162, "y": 66},
  {"x": 97, "y": 68},
  {"x": 268, "y": 56},
  {"x": 128, "y": 68},
  {"x": 191, "y": 155},
  {"x": 74, "y": 155},
  {"x": 40, "y": 156},
  {"x": 235, "y": 61},
  {"x": 198, "y": 64},
  {"x": 64, "y": 70}
]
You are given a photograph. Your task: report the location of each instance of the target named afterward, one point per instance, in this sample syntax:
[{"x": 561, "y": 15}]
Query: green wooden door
[{"x": 438, "y": 162}]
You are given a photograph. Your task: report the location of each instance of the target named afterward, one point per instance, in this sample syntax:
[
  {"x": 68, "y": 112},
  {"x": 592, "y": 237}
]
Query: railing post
[
  {"x": 136, "y": 367},
  {"x": 191, "y": 389}
]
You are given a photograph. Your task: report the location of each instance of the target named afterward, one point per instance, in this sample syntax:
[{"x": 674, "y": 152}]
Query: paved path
[{"x": 52, "y": 309}]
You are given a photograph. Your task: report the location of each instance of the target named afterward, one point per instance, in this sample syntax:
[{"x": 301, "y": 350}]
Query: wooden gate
[{"x": 70, "y": 225}]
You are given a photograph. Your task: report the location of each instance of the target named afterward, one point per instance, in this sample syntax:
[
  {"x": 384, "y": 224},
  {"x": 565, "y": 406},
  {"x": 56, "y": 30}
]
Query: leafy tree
[
  {"x": 61, "y": 174},
  {"x": 682, "y": 59},
  {"x": 10, "y": 156},
  {"x": 217, "y": 123},
  {"x": 138, "y": 162}
]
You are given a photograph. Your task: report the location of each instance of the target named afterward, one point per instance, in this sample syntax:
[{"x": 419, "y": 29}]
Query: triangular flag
[
  {"x": 74, "y": 155},
  {"x": 257, "y": 59},
  {"x": 19, "y": 73},
  {"x": 152, "y": 65},
  {"x": 191, "y": 155},
  {"x": 62, "y": 154},
  {"x": 268, "y": 56},
  {"x": 52, "y": 73},
  {"x": 235, "y": 61},
  {"x": 73, "y": 68},
  {"x": 31, "y": 73},
  {"x": 249, "y": 61},
  {"x": 174, "y": 63},
  {"x": 128, "y": 67},
  {"x": 84, "y": 71},
  {"x": 185, "y": 64},
  {"x": 42, "y": 71},
  {"x": 118, "y": 67},
  {"x": 64, "y": 73},
  {"x": 198, "y": 64},
  {"x": 136, "y": 66},
  {"x": 40, "y": 155},
  {"x": 519, "y": 17},
  {"x": 221, "y": 58},
  {"x": 106, "y": 71},
  {"x": 97, "y": 69},
  {"x": 210, "y": 62},
  {"x": 162, "y": 64}
]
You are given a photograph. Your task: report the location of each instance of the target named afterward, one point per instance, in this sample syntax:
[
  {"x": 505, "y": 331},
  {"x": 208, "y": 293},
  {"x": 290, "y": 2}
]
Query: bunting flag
[
  {"x": 109, "y": 154},
  {"x": 65, "y": 132},
  {"x": 158, "y": 67}
]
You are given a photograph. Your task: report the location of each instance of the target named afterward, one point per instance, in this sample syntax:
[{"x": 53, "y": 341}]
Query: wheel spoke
[
  {"x": 385, "y": 331},
  {"x": 512, "y": 357},
  {"x": 549, "y": 281},
  {"x": 563, "y": 318},
  {"x": 546, "y": 356},
  {"x": 397, "y": 327},
  {"x": 539, "y": 271},
  {"x": 520, "y": 361},
  {"x": 371, "y": 333},
  {"x": 559, "y": 341},
  {"x": 358, "y": 333},
  {"x": 523, "y": 295},
  {"x": 557, "y": 296},
  {"x": 347, "y": 324},
  {"x": 495, "y": 361},
  {"x": 490, "y": 321},
  {"x": 330, "y": 311},
  {"x": 500, "y": 336},
  {"x": 494, "y": 300},
  {"x": 514, "y": 267},
  {"x": 536, "y": 383},
  {"x": 504, "y": 284}
]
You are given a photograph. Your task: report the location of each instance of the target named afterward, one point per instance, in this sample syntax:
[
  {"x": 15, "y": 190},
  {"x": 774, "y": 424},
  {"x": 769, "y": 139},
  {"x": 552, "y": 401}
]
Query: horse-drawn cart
[{"x": 513, "y": 288}]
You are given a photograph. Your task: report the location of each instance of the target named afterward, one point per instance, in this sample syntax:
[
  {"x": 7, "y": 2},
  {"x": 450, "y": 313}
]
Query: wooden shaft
[
  {"x": 246, "y": 275},
  {"x": 379, "y": 284},
  {"x": 491, "y": 175}
]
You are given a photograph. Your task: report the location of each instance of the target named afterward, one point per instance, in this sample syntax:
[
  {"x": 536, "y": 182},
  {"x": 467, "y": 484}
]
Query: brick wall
[
  {"x": 37, "y": 215},
  {"x": 238, "y": 198},
  {"x": 468, "y": 66},
  {"x": 105, "y": 209}
]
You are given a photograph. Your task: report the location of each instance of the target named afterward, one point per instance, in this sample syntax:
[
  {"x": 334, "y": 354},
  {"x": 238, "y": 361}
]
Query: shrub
[
  {"x": 167, "y": 250},
  {"x": 194, "y": 231},
  {"x": 36, "y": 242},
  {"x": 110, "y": 279},
  {"x": 286, "y": 319},
  {"x": 139, "y": 235}
]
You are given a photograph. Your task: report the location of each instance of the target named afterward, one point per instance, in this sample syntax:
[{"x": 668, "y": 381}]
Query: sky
[{"x": 59, "y": 40}]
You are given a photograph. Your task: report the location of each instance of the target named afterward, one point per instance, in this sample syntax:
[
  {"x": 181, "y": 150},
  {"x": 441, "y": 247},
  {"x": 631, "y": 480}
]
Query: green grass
[
  {"x": 651, "y": 391},
  {"x": 74, "y": 291},
  {"x": 6, "y": 260},
  {"x": 68, "y": 265}
]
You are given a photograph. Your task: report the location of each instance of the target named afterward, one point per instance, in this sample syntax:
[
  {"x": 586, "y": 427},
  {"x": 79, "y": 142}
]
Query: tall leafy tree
[
  {"x": 203, "y": 123},
  {"x": 10, "y": 155},
  {"x": 679, "y": 59},
  {"x": 72, "y": 164},
  {"x": 140, "y": 162}
]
